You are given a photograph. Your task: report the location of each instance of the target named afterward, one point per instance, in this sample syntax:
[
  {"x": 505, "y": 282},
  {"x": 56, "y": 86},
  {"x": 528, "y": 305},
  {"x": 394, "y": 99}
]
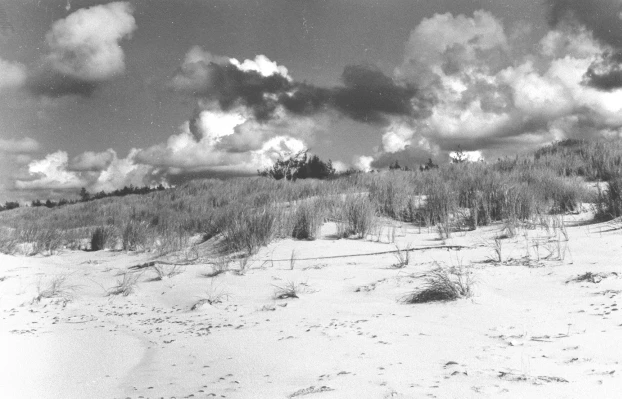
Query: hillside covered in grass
[{"x": 247, "y": 213}]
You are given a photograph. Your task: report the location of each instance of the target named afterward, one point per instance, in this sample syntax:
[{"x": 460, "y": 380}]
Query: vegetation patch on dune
[{"x": 248, "y": 213}]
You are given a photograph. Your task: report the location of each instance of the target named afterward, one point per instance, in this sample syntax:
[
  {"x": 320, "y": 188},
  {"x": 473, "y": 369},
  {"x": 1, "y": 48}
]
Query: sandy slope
[{"x": 525, "y": 333}]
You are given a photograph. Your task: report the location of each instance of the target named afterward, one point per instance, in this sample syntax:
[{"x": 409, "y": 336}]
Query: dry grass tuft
[
  {"x": 358, "y": 217},
  {"x": 402, "y": 256},
  {"x": 443, "y": 284},
  {"x": 289, "y": 290},
  {"x": 56, "y": 288},
  {"x": 591, "y": 277},
  {"x": 221, "y": 265},
  {"x": 213, "y": 296},
  {"x": 126, "y": 285}
]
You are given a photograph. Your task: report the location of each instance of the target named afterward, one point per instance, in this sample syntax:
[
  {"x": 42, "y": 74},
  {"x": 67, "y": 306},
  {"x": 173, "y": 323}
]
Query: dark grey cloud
[
  {"x": 602, "y": 17},
  {"x": 606, "y": 74},
  {"x": 230, "y": 86},
  {"x": 367, "y": 94}
]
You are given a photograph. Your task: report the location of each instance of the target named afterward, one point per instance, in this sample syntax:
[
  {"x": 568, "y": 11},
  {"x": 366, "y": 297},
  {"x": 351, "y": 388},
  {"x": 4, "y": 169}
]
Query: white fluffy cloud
[
  {"x": 487, "y": 98},
  {"x": 229, "y": 142},
  {"x": 214, "y": 142},
  {"x": 50, "y": 173},
  {"x": 397, "y": 137},
  {"x": 262, "y": 65},
  {"x": 196, "y": 72},
  {"x": 85, "y": 44},
  {"x": 55, "y": 173},
  {"x": 444, "y": 44},
  {"x": 84, "y": 51},
  {"x": 490, "y": 99},
  {"x": 363, "y": 163}
]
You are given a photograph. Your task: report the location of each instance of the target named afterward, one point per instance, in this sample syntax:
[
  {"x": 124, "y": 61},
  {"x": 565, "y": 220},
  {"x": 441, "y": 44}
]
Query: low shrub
[
  {"x": 442, "y": 284},
  {"x": 125, "y": 286},
  {"x": 358, "y": 217},
  {"x": 8, "y": 241},
  {"x": 609, "y": 202},
  {"x": 47, "y": 241},
  {"x": 135, "y": 236},
  {"x": 307, "y": 220},
  {"x": 289, "y": 290},
  {"x": 248, "y": 229},
  {"x": 102, "y": 238}
]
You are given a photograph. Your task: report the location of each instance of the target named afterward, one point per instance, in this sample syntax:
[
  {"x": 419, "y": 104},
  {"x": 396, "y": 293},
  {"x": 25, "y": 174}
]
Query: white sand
[{"x": 525, "y": 333}]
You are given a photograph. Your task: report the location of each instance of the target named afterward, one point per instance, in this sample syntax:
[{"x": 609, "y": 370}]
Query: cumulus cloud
[
  {"x": 103, "y": 171},
  {"x": 569, "y": 39},
  {"x": 212, "y": 143},
  {"x": 445, "y": 45},
  {"x": 263, "y": 86},
  {"x": 90, "y": 161},
  {"x": 514, "y": 102},
  {"x": 606, "y": 72},
  {"x": 603, "y": 19},
  {"x": 368, "y": 95},
  {"x": 50, "y": 173},
  {"x": 462, "y": 84},
  {"x": 84, "y": 50},
  {"x": 363, "y": 163},
  {"x": 19, "y": 146},
  {"x": 253, "y": 84},
  {"x": 397, "y": 137},
  {"x": 229, "y": 143},
  {"x": 14, "y": 154}
]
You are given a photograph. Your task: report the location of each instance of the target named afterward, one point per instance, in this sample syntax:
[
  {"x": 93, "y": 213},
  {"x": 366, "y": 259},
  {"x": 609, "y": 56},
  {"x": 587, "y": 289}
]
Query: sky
[{"x": 101, "y": 94}]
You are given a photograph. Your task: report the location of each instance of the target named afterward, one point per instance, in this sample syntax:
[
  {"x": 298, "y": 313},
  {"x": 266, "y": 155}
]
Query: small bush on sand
[
  {"x": 441, "y": 203},
  {"x": 8, "y": 241},
  {"x": 289, "y": 290},
  {"x": 442, "y": 284},
  {"x": 248, "y": 229},
  {"x": 45, "y": 241},
  {"x": 393, "y": 195},
  {"x": 610, "y": 200},
  {"x": 102, "y": 238},
  {"x": 125, "y": 286},
  {"x": 220, "y": 265},
  {"x": 308, "y": 219},
  {"x": 97, "y": 239},
  {"x": 135, "y": 236},
  {"x": 358, "y": 217}
]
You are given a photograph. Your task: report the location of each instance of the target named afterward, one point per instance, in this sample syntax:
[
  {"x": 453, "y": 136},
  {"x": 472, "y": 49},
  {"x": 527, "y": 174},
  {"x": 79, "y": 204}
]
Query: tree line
[{"x": 85, "y": 196}]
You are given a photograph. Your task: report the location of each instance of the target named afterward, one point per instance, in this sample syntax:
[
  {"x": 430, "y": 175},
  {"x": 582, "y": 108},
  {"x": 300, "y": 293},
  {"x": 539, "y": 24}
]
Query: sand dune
[{"x": 528, "y": 330}]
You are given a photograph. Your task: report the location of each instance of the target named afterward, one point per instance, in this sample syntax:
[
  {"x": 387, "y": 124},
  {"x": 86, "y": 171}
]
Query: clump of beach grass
[
  {"x": 125, "y": 286},
  {"x": 442, "y": 284}
]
